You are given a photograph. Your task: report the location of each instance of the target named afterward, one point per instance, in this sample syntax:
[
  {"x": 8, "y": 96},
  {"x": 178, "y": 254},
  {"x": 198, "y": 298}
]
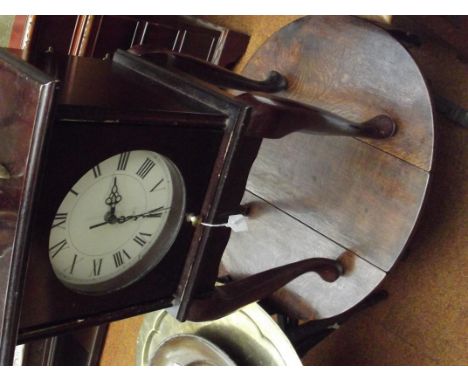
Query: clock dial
[{"x": 117, "y": 222}]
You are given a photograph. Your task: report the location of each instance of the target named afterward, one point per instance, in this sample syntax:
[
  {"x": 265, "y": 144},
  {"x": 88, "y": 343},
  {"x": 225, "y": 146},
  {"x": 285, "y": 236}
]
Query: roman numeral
[
  {"x": 145, "y": 168},
  {"x": 118, "y": 260},
  {"x": 157, "y": 184},
  {"x": 58, "y": 247},
  {"x": 123, "y": 160},
  {"x": 59, "y": 219},
  {"x": 96, "y": 171},
  {"x": 139, "y": 240},
  {"x": 73, "y": 264},
  {"x": 126, "y": 254},
  {"x": 97, "y": 267}
]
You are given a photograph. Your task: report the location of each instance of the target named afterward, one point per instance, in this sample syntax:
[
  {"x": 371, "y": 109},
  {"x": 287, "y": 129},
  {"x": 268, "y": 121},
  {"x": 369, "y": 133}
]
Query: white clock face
[{"x": 117, "y": 222}]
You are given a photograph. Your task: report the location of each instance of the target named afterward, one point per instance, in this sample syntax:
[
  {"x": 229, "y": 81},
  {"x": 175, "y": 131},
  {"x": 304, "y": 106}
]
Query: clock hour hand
[
  {"x": 110, "y": 218},
  {"x": 114, "y": 198},
  {"x": 98, "y": 225}
]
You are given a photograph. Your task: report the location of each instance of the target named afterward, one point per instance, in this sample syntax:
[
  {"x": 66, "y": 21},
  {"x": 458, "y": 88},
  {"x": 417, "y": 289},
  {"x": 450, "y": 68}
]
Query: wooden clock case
[
  {"x": 101, "y": 108},
  {"x": 150, "y": 116}
]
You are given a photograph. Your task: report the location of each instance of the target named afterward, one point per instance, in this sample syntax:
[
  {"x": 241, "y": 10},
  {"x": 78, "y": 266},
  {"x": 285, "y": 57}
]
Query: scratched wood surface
[
  {"x": 355, "y": 69},
  {"x": 349, "y": 191},
  {"x": 286, "y": 239},
  {"x": 328, "y": 195}
]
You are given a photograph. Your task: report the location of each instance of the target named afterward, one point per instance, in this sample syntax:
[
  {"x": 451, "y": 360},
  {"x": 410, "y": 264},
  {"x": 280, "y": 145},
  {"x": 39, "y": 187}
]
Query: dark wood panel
[
  {"x": 26, "y": 95},
  {"x": 53, "y": 31},
  {"x": 228, "y": 47},
  {"x": 161, "y": 36},
  {"x": 201, "y": 44},
  {"x": 113, "y": 33},
  {"x": 97, "y": 36},
  {"x": 79, "y": 348},
  {"x": 103, "y": 84}
]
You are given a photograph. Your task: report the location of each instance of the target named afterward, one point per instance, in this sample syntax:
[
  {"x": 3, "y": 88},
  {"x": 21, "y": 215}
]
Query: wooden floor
[{"x": 425, "y": 319}]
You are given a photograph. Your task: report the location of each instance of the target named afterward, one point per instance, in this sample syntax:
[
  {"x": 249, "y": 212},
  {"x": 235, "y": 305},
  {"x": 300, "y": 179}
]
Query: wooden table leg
[{"x": 227, "y": 298}]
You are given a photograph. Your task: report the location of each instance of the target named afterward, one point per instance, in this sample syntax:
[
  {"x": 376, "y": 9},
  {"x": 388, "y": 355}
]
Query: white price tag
[{"x": 238, "y": 223}]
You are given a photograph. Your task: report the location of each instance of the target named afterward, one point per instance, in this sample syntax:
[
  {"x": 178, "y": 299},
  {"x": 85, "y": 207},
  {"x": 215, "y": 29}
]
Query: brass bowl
[
  {"x": 189, "y": 350},
  {"x": 248, "y": 336}
]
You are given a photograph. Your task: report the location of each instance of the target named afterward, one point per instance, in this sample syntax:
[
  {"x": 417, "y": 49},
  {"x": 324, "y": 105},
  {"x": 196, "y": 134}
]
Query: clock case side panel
[
  {"x": 236, "y": 155},
  {"x": 22, "y": 139}
]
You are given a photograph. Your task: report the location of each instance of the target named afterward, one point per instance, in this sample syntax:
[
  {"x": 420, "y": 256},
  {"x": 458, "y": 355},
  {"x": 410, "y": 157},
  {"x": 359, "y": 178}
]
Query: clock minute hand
[
  {"x": 122, "y": 219},
  {"x": 155, "y": 213}
]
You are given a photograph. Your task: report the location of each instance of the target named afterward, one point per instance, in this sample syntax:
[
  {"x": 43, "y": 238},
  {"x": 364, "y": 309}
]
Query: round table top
[{"x": 325, "y": 196}]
